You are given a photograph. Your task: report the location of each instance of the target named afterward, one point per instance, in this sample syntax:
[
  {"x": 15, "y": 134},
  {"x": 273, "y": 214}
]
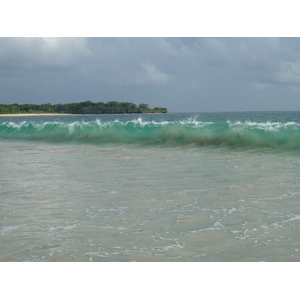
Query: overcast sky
[{"x": 181, "y": 74}]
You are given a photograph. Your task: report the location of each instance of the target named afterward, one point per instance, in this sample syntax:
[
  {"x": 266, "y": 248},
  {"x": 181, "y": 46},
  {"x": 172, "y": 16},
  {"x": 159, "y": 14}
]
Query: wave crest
[{"x": 178, "y": 133}]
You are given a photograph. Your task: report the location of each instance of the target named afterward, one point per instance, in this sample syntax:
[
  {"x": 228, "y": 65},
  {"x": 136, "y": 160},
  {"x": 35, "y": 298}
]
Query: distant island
[{"x": 87, "y": 107}]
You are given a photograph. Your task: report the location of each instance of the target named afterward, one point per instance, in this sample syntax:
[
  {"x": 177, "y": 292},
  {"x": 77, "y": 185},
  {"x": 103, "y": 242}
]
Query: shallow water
[{"x": 70, "y": 201}]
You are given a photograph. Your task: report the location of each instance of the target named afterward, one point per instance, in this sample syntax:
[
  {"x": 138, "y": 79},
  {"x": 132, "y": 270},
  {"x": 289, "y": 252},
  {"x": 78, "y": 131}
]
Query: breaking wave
[{"x": 188, "y": 132}]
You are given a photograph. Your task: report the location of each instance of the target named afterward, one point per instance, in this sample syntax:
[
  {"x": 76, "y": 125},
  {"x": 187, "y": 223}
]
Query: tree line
[{"x": 87, "y": 107}]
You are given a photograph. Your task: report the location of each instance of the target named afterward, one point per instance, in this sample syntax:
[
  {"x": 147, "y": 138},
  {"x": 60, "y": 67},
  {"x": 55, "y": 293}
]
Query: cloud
[
  {"x": 289, "y": 73},
  {"x": 260, "y": 86},
  {"x": 179, "y": 73},
  {"x": 153, "y": 74},
  {"x": 34, "y": 54}
]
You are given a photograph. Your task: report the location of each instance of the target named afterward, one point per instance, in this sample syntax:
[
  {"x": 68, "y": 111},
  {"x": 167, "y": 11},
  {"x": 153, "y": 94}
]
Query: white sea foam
[
  {"x": 194, "y": 123},
  {"x": 7, "y": 229},
  {"x": 67, "y": 227},
  {"x": 16, "y": 125},
  {"x": 297, "y": 217},
  {"x": 264, "y": 126}
]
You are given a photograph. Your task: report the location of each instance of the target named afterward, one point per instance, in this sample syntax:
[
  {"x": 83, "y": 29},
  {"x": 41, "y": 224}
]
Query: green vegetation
[{"x": 87, "y": 107}]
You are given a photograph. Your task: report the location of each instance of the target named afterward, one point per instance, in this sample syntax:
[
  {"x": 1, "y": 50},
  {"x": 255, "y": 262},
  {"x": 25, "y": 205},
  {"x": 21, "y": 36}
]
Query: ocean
[{"x": 175, "y": 187}]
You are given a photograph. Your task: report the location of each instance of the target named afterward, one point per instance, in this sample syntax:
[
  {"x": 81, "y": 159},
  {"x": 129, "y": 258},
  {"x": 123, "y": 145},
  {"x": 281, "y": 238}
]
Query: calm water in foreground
[{"x": 165, "y": 187}]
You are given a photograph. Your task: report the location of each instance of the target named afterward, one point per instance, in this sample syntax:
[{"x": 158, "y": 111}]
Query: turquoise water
[
  {"x": 163, "y": 187},
  {"x": 234, "y": 130}
]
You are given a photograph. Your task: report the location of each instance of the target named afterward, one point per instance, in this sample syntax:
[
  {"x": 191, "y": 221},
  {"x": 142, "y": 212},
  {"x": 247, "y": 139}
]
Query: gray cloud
[{"x": 182, "y": 74}]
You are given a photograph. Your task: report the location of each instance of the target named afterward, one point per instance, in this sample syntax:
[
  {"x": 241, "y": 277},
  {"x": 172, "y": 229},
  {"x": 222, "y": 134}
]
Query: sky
[{"x": 182, "y": 74}]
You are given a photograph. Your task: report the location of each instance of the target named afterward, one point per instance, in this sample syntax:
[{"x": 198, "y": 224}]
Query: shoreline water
[{"x": 173, "y": 187}]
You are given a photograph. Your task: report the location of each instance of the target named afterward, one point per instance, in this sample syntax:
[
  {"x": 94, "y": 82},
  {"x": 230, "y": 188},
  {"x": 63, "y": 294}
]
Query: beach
[{"x": 32, "y": 115}]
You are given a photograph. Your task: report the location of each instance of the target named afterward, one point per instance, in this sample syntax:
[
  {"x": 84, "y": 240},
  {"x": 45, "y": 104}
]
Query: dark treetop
[{"x": 87, "y": 107}]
